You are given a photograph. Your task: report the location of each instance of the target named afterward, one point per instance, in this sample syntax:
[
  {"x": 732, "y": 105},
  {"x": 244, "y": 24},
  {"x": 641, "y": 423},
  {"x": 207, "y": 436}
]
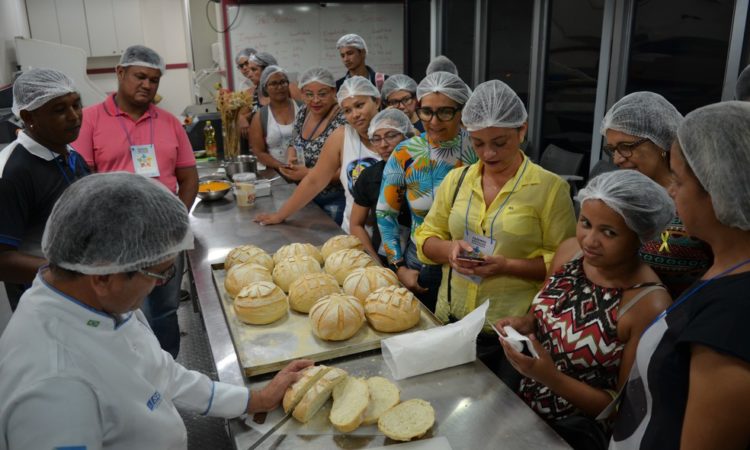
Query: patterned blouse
[
  {"x": 577, "y": 324},
  {"x": 311, "y": 147},
  {"x": 413, "y": 172}
]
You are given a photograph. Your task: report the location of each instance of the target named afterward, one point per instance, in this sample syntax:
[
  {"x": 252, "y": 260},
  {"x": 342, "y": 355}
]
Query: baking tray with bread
[{"x": 305, "y": 302}]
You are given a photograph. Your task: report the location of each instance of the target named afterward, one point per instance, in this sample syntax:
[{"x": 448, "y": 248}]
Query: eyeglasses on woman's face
[
  {"x": 392, "y": 137},
  {"x": 403, "y": 101},
  {"x": 322, "y": 95},
  {"x": 277, "y": 84},
  {"x": 625, "y": 149},
  {"x": 161, "y": 278},
  {"x": 443, "y": 114},
  {"x": 242, "y": 65}
]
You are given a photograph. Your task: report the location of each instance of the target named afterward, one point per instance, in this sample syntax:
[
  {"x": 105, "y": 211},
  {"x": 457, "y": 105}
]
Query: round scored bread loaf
[
  {"x": 309, "y": 288},
  {"x": 364, "y": 281},
  {"x": 240, "y": 275},
  {"x": 336, "y": 317},
  {"x": 297, "y": 249},
  {"x": 293, "y": 267},
  {"x": 341, "y": 263},
  {"x": 340, "y": 242},
  {"x": 248, "y": 253},
  {"x": 408, "y": 420},
  {"x": 392, "y": 309},
  {"x": 261, "y": 303}
]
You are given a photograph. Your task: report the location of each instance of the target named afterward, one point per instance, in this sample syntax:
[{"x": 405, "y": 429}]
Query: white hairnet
[
  {"x": 263, "y": 59},
  {"x": 316, "y": 75},
  {"x": 390, "y": 118},
  {"x": 441, "y": 63},
  {"x": 267, "y": 72},
  {"x": 34, "y": 88},
  {"x": 244, "y": 53},
  {"x": 357, "y": 85},
  {"x": 398, "y": 82},
  {"x": 715, "y": 140},
  {"x": 742, "y": 88},
  {"x": 139, "y": 55},
  {"x": 445, "y": 83},
  {"x": 493, "y": 104},
  {"x": 115, "y": 222},
  {"x": 646, "y": 115},
  {"x": 643, "y": 203},
  {"x": 352, "y": 40}
]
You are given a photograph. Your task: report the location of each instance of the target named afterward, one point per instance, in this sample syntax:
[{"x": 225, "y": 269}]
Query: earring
[{"x": 664, "y": 154}]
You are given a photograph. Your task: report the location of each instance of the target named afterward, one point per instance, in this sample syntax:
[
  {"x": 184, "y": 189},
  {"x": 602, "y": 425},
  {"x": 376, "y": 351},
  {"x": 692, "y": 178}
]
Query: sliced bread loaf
[
  {"x": 408, "y": 420},
  {"x": 318, "y": 394},
  {"x": 350, "y": 400},
  {"x": 384, "y": 395},
  {"x": 294, "y": 393}
]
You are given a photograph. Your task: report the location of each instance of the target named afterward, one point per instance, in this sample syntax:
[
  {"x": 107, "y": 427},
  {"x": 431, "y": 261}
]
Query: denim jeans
[
  {"x": 160, "y": 308},
  {"x": 429, "y": 276},
  {"x": 333, "y": 203}
]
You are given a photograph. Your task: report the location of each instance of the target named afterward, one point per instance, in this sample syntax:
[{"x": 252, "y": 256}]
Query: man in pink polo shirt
[{"x": 127, "y": 132}]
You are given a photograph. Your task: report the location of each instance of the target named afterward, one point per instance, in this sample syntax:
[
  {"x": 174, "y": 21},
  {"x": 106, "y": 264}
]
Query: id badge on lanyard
[{"x": 144, "y": 160}]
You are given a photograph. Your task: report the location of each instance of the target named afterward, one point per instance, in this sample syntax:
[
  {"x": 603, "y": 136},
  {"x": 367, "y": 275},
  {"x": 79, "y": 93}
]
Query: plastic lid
[{"x": 243, "y": 176}]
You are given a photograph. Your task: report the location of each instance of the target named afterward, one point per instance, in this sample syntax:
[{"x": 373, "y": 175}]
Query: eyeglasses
[
  {"x": 277, "y": 84},
  {"x": 444, "y": 113},
  {"x": 161, "y": 278},
  {"x": 406, "y": 101},
  {"x": 625, "y": 149},
  {"x": 393, "y": 137},
  {"x": 323, "y": 95},
  {"x": 243, "y": 65}
]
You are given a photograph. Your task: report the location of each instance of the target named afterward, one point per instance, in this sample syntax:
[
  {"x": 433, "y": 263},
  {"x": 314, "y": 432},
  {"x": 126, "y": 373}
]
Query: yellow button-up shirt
[{"x": 537, "y": 217}]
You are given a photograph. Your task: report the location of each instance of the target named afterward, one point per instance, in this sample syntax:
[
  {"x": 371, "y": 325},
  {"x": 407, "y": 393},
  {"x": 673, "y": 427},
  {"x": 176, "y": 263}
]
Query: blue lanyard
[
  {"x": 127, "y": 134},
  {"x": 690, "y": 293},
  {"x": 502, "y": 206}
]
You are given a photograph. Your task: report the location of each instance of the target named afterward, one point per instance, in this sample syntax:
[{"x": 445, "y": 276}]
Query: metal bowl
[
  {"x": 213, "y": 195},
  {"x": 242, "y": 163}
]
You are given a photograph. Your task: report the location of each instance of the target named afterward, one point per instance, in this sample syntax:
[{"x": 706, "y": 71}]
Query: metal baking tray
[{"x": 268, "y": 348}]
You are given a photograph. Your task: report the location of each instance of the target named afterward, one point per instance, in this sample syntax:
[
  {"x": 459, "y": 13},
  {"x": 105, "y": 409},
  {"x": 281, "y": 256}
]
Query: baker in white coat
[{"x": 79, "y": 365}]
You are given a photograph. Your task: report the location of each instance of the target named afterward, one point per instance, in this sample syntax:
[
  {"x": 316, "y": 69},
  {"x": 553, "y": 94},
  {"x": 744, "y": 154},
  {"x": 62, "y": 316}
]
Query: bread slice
[
  {"x": 318, "y": 394},
  {"x": 294, "y": 393},
  {"x": 350, "y": 400},
  {"x": 408, "y": 420},
  {"x": 384, "y": 395}
]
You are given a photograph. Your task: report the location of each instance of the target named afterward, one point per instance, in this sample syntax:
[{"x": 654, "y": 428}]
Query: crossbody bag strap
[{"x": 450, "y": 268}]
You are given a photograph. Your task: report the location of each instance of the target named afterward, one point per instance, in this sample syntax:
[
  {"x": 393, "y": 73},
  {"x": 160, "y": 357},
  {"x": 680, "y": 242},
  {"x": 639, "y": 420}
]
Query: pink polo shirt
[{"x": 104, "y": 145}]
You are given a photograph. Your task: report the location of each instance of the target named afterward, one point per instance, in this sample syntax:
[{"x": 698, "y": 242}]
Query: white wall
[{"x": 12, "y": 23}]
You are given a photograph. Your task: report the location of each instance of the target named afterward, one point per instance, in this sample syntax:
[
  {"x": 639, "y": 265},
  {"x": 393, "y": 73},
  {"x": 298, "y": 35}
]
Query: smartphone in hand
[{"x": 473, "y": 256}]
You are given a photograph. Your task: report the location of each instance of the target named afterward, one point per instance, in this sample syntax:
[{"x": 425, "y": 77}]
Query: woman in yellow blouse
[{"x": 495, "y": 225}]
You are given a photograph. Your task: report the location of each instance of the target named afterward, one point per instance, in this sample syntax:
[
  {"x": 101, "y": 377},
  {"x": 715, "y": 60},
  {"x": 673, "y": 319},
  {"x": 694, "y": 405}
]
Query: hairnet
[
  {"x": 715, "y": 140},
  {"x": 352, "y": 40},
  {"x": 263, "y": 59},
  {"x": 244, "y": 53},
  {"x": 139, "y": 55},
  {"x": 316, "y": 75},
  {"x": 742, "y": 88},
  {"x": 445, "y": 83},
  {"x": 441, "y": 63},
  {"x": 267, "y": 72},
  {"x": 643, "y": 203},
  {"x": 493, "y": 104},
  {"x": 34, "y": 88},
  {"x": 398, "y": 82},
  {"x": 357, "y": 85},
  {"x": 646, "y": 115},
  {"x": 115, "y": 222},
  {"x": 390, "y": 118}
]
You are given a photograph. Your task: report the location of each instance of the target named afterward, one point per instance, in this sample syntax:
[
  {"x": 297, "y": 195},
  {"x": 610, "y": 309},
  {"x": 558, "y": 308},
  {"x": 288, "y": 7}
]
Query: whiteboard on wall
[{"x": 304, "y": 35}]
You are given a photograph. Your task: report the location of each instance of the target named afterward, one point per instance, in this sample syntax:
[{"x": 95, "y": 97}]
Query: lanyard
[
  {"x": 316, "y": 126},
  {"x": 72, "y": 158},
  {"x": 689, "y": 294},
  {"x": 124, "y": 129},
  {"x": 502, "y": 206}
]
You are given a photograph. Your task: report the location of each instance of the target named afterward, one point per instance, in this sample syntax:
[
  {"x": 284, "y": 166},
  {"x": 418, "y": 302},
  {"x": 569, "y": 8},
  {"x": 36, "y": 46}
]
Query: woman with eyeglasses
[
  {"x": 690, "y": 385},
  {"x": 387, "y": 129},
  {"x": 495, "y": 225},
  {"x": 35, "y": 170},
  {"x": 413, "y": 172},
  {"x": 346, "y": 153},
  {"x": 639, "y": 130},
  {"x": 400, "y": 91},
  {"x": 271, "y": 129},
  {"x": 252, "y": 66}
]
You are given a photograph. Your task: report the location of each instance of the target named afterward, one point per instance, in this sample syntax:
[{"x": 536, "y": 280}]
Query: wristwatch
[{"x": 396, "y": 265}]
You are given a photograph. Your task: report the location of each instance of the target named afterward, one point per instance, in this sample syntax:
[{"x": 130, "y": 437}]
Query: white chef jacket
[{"x": 73, "y": 378}]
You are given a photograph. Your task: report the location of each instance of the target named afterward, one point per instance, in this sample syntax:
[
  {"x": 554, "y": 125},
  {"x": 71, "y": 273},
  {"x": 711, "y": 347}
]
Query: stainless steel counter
[{"x": 474, "y": 409}]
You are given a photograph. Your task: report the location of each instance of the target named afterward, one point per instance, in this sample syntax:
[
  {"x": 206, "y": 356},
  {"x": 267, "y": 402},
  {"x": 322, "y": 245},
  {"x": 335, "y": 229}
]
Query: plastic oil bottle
[{"x": 209, "y": 139}]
